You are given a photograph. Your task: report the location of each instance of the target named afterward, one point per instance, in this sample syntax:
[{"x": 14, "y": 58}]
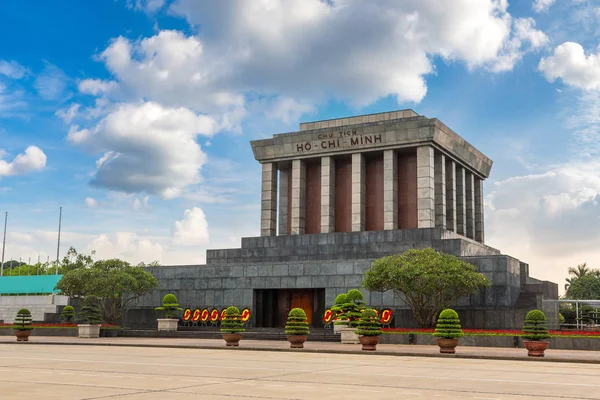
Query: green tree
[
  {"x": 575, "y": 273},
  {"x": 426, "y": 280},
  {"x": 587, "y": 287},
  {"x": 74, "y": 260},
  {"x": 116, "y": 283}
]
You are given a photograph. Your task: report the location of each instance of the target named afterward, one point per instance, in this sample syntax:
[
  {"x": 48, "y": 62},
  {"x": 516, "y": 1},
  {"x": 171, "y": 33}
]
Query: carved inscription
[{"x": 339, "y": 139}]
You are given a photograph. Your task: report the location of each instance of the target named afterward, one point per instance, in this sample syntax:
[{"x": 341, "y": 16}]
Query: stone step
[{"x": 321, "y": 335}]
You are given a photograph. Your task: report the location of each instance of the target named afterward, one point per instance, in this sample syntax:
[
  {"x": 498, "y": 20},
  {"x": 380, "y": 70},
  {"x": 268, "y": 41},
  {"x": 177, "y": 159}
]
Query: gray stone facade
[
  {"x": 334, "y": 262},
  {"x": 449, "y": 218}
]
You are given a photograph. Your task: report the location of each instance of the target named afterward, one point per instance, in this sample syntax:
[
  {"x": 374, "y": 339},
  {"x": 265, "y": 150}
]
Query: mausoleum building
[{"x": 338, "y": 194}]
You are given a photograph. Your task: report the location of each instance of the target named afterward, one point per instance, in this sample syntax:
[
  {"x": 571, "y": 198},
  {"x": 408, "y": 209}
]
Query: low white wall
[{"x": 38, "y": 305}]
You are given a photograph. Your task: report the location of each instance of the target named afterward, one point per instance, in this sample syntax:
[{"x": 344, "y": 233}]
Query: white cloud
[
  {"x": 306, "y": 51},
  {"x": 11, "y": 101},
  {"x": 570, "y": 63},
  {"x": 127, "y": 246},
  {"x": 192, "y": 230},
  {"x": 91, "y": 202},
  {"x": 147, "y": 148},
  {"x": 52, "y": 83},
  {"x": 32, "y": 160},
  {"x": 549, "y": 220},
  {"x": 67, "y": 114},
  {"x": 540, "y": 6},
  {"x": 148, "y": 6},
  {"x": 12, "y": 69},
  {"x": 523, "y": 32},
  {"x": 96, "y": 86},
  {"x": 140, "y": 204}
]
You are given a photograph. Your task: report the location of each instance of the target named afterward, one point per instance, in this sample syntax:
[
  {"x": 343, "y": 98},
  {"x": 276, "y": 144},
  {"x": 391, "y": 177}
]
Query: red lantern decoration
[
  {"x": 187, "y": 314},
  {"x": 246, "y": 314},
  {"x": 196, "y": 315},
  {"x": 204, "y": 315}
]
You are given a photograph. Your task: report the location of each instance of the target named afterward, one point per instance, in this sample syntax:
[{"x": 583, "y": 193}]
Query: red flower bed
[{"x": 492, "y": 332}]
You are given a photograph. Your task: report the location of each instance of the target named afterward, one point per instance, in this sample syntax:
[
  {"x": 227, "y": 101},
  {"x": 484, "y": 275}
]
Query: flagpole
[
  {"x": 58, "y": 247},
  {"x": 4, "y": 243}
]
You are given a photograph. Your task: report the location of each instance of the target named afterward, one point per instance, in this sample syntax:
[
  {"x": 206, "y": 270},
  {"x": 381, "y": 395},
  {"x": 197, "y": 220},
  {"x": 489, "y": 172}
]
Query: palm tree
[{"x": 578, "y": 272}]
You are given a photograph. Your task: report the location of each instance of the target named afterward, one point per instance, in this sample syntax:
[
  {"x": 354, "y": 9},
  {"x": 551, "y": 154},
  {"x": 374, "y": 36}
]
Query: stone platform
[{"x": 336, "y": 263}]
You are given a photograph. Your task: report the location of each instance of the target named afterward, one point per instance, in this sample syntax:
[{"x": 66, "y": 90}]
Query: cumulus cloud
[
  {"x": 128, "y": 246},
  {"x": 96, "y": 86},
  {"x": 549, "y": 219},
  {"x": 570, "y": 64},
  {"x": 540, "y": 6},
  {"x": 308, "y": 50},
  {"x": 91, "y": 202},
  {"x": 146, "y": 148},
  {"x": 12, "y": 69},
  {"x": 33, "y": 159},
  {"x": 192, "y": 230}
]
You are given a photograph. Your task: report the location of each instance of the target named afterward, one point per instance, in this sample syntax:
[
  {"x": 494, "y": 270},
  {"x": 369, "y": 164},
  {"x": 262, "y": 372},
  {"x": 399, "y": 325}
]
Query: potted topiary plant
[
  {"x": 352, "y": 307},
  {"x": 535, "y": 331},
  {"x": 369, "y": 329},
  {"x": 296, "y": 328},
  {"x": 68, "y": 314},
  {"x": 22, "y": 325},
  {"x": 448, "y": 331},
  {"x": 90, "y": 318},
  {"x": 170, "y": 306},
  {"x": 232, "y": 326},
  {"x": 340, "y": 320}
]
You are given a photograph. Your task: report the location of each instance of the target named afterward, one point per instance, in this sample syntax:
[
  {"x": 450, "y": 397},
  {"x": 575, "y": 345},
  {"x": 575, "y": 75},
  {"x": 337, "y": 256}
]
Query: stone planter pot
[
  {"x": 23, "y": 336},
  {"x": 232, "y": 339},
  {"x": 447, "y": 345},
  {"x": 167, "y": 324},
  {"x": 348, "y": 336},
  {"x": 88, "y": 331},
  {"x": 297, "y": 341},
  {"x": 369, "y": 342},
  {"x": 536, "y": 348},
  {"x": 336, "y": 328}
]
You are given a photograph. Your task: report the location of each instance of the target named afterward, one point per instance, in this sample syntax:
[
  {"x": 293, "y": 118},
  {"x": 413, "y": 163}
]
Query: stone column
[
  {"x": 425, "y": 187},
  {"x": 450, "y": 195},
  {"x": 327, "y": 195},
  {"x": 358, "y": 192},
  {"x": 461, "y": 202},
  {"x": 298, "y": 196},
  {"x": 440, "y": 190},
  {"x": 479, "y": 235},
  {"x": 268, "y": 215},
  {"x": 283, "y": 200},
  {"x": 390, "y": 190},
  {"x": 470, "y": 207}
]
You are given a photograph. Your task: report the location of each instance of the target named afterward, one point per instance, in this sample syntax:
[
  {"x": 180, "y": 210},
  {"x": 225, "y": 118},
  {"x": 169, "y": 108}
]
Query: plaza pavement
[
  {"x": 88, "y": 372},
  {"x": 471, "y": 352}
]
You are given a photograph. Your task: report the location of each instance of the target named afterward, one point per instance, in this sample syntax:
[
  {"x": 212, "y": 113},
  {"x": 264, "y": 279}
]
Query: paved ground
[
  {"x": 489, "y": 353},
  {"x": 48, "y": 372}
]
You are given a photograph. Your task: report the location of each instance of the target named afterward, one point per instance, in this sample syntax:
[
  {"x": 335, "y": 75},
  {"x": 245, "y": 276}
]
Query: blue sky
[{"x": 140, "y": 113}]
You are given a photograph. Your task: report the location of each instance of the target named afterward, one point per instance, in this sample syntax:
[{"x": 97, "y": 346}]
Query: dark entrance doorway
[{"x": 273, "y": 305}]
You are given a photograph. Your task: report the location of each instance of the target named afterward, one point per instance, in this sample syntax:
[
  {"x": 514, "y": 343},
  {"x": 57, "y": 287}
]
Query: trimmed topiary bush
[
  {"x": 90, "y": 312},
  {"x": 170, "y": 305},
  {"x": 232, "y": 322},
  {"x": 68, "y": 314},
  {"x": 23, "y": 320},
  {"x": 535, "y": 326},
  {"x": 338, "y": 310},
  {"x": 448, "y": 325},
  {"x": 355, "y": 303},
  {"x": 296, "y": 323},
  {"x": 369, "y": 324}
]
